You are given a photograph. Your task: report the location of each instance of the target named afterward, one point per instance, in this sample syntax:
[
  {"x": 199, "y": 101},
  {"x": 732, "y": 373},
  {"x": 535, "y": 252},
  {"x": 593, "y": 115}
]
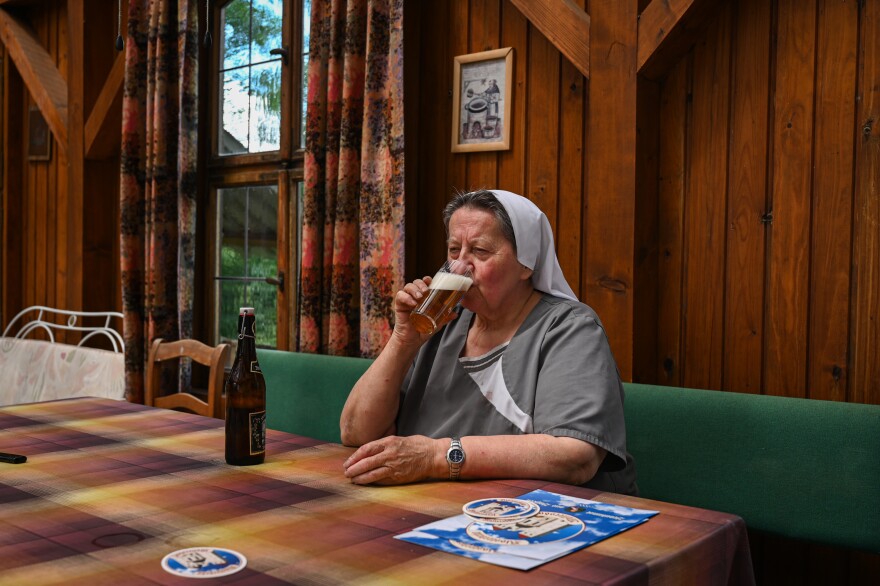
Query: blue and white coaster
[
  {"x": 500, "y": 509},
  {"x": 203, "y": 562}
]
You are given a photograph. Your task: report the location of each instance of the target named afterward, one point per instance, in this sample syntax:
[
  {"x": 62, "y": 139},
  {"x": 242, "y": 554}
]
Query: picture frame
[
  {"x": 39, "y": 136},
  {"x": 482, "y": 101}
]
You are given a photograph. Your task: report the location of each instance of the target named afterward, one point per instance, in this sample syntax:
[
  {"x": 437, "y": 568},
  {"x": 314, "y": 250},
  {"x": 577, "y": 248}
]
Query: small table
[{"x": 111, "y": 487}]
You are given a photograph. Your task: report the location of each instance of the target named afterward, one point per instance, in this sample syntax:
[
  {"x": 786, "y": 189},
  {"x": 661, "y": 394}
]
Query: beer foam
[{"x": 451, "y": 282}]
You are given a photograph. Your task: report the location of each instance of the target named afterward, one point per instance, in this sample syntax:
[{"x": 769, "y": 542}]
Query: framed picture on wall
[
  {"x": 482, "y": 101},
  {"x": 39, "y": 137}
]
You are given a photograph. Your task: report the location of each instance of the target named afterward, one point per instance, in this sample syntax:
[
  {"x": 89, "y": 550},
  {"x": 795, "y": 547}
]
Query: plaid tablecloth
[{"x": 110, "y": 488}]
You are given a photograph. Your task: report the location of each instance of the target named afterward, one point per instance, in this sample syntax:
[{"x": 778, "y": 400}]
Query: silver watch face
[{"x": 455, "y": 456}]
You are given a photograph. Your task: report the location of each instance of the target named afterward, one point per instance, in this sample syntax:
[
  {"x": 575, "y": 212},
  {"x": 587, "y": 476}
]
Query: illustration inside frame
[{"x": 482, "y": 105}]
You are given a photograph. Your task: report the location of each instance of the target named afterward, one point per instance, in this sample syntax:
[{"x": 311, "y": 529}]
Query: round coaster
[
  {"x": 499, "y": 508},
  {"x": 203, "y": 562},
  {"x": 544, "y": 527}
]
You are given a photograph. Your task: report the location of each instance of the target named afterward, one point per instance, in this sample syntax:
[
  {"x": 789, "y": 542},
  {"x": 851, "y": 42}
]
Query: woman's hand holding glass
[{"x": 426, "y": 305}]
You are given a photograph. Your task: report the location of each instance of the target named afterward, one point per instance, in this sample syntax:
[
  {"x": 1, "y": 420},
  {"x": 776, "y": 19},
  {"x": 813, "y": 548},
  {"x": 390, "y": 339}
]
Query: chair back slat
[{"x": 213, "y": 357}]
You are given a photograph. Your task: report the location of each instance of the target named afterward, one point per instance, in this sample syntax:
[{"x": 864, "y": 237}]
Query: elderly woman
[{"x": 520, "y": 384}]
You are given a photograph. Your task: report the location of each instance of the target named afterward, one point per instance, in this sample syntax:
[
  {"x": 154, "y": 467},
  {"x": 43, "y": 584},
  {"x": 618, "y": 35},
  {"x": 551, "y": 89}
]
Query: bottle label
[
  {"x": 258, "y": 432},
  {"x": 255, "y": 366}
]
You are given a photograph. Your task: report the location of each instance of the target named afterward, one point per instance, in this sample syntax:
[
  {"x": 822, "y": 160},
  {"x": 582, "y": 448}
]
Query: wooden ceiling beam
[
  {"x": 38, "y": 71},
  {"x": 102, "y": 134},
  {"x": 666, "y": 31},
  {"x": 566, "y": 26}
]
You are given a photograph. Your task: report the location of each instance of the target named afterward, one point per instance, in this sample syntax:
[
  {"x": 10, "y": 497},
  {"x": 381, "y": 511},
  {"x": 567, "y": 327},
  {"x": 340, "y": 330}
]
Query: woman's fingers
[{"x": 390, "y": 460}]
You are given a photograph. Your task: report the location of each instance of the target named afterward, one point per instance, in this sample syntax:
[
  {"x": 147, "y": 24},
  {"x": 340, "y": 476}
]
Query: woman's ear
[{"x": 525, "y": 272}]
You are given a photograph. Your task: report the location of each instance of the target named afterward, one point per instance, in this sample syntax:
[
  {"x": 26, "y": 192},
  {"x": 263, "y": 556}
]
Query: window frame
[{"x": 283, "y": 168}]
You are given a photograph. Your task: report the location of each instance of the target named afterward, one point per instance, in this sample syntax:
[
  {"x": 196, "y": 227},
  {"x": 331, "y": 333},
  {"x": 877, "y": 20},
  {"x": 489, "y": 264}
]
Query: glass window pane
[
  {"x": 266, "y": 29},
  {"x": 265, "y": 100},
  {"x": 235, "y": 34},
  {"x": 263, "y": 232},
  {"x": 232, "y": 295},
  {"x": 304, "y": 98},
  {"x": 234, "y": 124},
  {"x": 263, "y": 298},
  {"x": 307, "y": 23},
  {"x": 247, "y": 243}
]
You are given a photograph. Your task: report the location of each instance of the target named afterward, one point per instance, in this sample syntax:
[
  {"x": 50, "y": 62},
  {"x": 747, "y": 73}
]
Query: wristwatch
[{"x": 455, "y": 458}]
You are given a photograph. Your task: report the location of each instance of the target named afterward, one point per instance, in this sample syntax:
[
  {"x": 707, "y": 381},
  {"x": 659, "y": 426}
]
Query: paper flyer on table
[{"x": 524, "y": 539}]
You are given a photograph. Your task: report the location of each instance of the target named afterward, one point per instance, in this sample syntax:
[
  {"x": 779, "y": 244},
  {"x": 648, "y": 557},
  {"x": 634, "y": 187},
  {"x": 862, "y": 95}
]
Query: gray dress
[{"x": 560, "y": 380}]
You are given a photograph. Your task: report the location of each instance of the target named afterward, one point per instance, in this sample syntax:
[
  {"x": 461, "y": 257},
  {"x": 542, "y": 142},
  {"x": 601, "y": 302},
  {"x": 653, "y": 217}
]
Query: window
[
  {"x": 257, "y": 85},
  {"x": 251, "y": 51}
]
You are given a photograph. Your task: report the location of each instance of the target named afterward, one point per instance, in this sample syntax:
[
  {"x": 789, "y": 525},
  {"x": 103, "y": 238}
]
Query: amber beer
[
  {"x": 446, "y": 289},
  {"x": 246, "y": 399}
]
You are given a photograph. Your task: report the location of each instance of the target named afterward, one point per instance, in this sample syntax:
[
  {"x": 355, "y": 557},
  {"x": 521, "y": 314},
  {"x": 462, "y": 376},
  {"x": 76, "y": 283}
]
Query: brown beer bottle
[{"x": 246, "y": 399}]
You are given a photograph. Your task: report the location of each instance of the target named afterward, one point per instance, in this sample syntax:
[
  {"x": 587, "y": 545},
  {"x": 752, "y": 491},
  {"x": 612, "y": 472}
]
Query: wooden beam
[
  {"x": 666, "y": 30},
  {"x": 566, "y": 26},
  {"x": 611, "y": 174},
  {"x": 38, "y": 71},
  {"x": 103, "y": 133}
]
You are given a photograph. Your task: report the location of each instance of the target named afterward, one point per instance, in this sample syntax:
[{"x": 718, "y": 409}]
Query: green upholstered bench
[
  {"x": 799, "y": 468},
  {"x": 305, "y": 393}
]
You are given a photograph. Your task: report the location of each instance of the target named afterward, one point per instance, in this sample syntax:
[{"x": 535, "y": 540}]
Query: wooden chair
[{"x": 213, "y": 357}]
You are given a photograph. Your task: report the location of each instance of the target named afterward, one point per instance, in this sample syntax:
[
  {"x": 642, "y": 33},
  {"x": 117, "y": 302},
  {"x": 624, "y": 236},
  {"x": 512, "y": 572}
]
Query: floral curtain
[
  {"x": 159, "y": 179},
  {"x": 353, "y": 220}
]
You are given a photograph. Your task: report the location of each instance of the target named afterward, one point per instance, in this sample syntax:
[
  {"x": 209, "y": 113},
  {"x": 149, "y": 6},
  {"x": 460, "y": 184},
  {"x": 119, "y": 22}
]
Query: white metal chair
[{"x": 89, "y": 323}]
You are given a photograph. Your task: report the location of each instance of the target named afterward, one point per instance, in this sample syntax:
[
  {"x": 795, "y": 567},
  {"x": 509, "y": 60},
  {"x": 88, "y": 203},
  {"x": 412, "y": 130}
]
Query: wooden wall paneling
[
  {"x": 75, "y": 152},
  {"x": 40, "y": 194},
  {"x": 837, "y": 47},
  {"x": 788, "y": 244},
  {"x": 569, "y": 234},
  {"x": 13, "y": 206},
  {"x": 705, "y": 214},
  {"x": 100, "y": 233},
  {"x": 457, "y": 179},
  {"x": 645, "y": 285},
  {"x": 670, "y": 231},
  {"x": 609, "y": 225},
  {"x": 38, "y": 72},
  {"x": 28, "y": 225},
  {"x": 658, "y": 21},
  {"x": 565, "y": 24},
  {"x": 52, "y": 40},
  {"x": 53, "y": 170},
  {"x": 62, "y": 218},
  {"x": 414, "y": 48},
  {"x": 433, "y": 139},
  {"x": 542, "y": 163},
  {"x": 667, "y": 31},
  {"x": 102, "y": 133},
  {"x": 865, "y": 312},
  {"x": 511, "y": 163},
  {"x": 747, "y": 199},
  {"x": 485, "y": 18}
]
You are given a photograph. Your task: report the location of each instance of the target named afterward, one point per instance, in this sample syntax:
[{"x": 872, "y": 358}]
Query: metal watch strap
[{"x": 452, "y": 458}]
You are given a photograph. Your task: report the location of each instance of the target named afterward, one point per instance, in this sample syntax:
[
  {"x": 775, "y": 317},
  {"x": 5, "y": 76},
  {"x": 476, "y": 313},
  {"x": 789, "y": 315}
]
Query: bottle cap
[{"x": 246, "y": 311}]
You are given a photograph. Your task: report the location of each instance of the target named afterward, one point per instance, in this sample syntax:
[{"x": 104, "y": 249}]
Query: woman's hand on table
[{"x": 395, "y": 460}]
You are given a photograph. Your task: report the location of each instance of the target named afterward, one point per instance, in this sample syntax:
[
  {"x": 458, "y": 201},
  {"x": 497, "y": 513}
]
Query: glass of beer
[{"x": 446, "y": 289}]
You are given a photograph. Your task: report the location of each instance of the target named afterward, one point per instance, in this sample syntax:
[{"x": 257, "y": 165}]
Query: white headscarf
[{"x": 534, "y": 244}]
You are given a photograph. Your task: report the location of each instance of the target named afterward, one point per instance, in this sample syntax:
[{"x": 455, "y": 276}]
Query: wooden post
[
  {"x": 75, "y": 156},
  {"x": 611, "y": 173}
]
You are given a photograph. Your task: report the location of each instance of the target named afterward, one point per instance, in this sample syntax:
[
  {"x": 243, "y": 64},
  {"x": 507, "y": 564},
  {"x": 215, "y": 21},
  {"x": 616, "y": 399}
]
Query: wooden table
[{"x": 111, "y": 487}]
